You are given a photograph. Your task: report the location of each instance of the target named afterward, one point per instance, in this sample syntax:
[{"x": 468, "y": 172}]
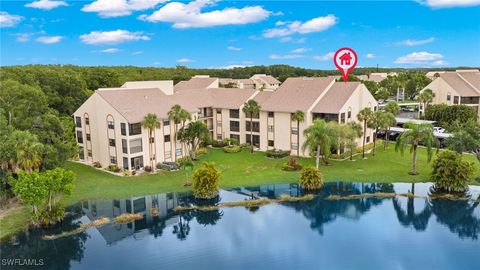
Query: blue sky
[{"x": 205, "y": 33}]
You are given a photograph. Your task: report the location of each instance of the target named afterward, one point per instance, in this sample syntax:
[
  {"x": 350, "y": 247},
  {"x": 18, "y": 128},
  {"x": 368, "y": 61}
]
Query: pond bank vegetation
[{"x": 83, "y": 227}]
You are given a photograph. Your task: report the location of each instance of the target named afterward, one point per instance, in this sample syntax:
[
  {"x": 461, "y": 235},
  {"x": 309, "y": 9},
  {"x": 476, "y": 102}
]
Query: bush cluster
[
  {"x": 168, "y": 166},
  {"x": 450, "y": 173},
  {"x": 97, "y": 164},
  {"x": 219, "y": 144},
  {"x": 201, "y": 151},
  {"x": 311, "y": 178},
  {"x": 113, "y": 168},
  {"x": 291, "y": 165},
  {"x": 277, "y": 153},
  {"x": 147, "y": 168},
  {"x": 206, "y": 182},
  {"x": 232, "y": 149}
]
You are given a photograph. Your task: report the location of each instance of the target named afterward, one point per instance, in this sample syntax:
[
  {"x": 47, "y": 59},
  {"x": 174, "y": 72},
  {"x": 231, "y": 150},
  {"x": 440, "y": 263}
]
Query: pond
[{"x": 364, "y": 233}]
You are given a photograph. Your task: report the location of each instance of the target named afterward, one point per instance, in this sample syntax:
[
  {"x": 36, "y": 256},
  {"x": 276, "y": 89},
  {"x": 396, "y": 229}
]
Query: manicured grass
[{"x": 241, "y": 169}]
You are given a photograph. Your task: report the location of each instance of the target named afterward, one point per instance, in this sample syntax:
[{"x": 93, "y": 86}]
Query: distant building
[{"x": 459, "y": 87}]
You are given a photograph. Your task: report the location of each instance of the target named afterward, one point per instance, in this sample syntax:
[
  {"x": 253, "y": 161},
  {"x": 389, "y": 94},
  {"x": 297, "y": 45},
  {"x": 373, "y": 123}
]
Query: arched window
[
  {"x": 349, "y": 113},
  {"x": 110, "y": 122},
  {"x": 449, "y": 96},
  {"x": 87, "y": 119}
]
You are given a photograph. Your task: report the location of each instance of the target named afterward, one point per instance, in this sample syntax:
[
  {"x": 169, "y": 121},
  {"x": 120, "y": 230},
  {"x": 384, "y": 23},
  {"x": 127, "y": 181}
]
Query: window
[
  {"x": 87, "y": 121},
  {"x": 349, "y": 115},
  {"x": 111, "y": 142},
  {"x": 136, "y": 162},
  {"x": 123, "y": 129},
  {"x": 110, "y": 125},
  {"x": 256, "y": 139},
  {"x": 166, "y": 122},
  {"x": 294, "y": 131},
  {"x": 234, "y": 126},
  {"x": 79, "y": 136},
  {"x": 255, "y": 125},
  {"x": 270, "y": 143},
  {"x": 270, "y": 128},
  {"x": 234, "y": 113},
  {"x": 449, "y": 97},
  {"x": 135, "y": 146},
  {"x": 168, "y": 154},
  {"x": 219, "y": 136},
  {"x": 134, "y": 129},
  {"x": 342, "y": 117},
  {"x": 270, "y": 114},
  {"x": 89, "y": 153},
  {"x": 124, "y": 147},
  {"x": 152, "y": 140},
  {"x": 235, "y": 136},
  {"x": 166, "y": 138},
  {"x": 88, "y": 136},
  {"x": 368, "y": 139},
  {"x": 178, "y": 152},
  {"x": 113, "y": 159},
  {"x": 81, "y": 153},
  {"x": 78, "y": 121},
  {"x": 294, "y": 146},
  {"x": 455, "y": 100}
]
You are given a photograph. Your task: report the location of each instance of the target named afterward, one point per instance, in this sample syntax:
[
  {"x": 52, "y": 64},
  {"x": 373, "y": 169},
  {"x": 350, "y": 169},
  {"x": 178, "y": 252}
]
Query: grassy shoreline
[{"x": 238, "y": 169}]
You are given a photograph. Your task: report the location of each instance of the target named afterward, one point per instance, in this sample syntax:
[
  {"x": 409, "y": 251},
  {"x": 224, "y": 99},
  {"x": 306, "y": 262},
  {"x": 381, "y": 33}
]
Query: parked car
[{"x": 438, "y": 129}]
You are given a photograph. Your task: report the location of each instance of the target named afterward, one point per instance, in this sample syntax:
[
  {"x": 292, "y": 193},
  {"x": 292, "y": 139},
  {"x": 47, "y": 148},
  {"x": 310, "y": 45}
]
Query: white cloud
[
  {"x": 49, "y": 39},
  {"x": 314, "y": 25},
  {"x": 440, "y": 63},
  {"x": 9, "y": 20},
  {"x": 287, "y": 56},
  {"x": 137, "y": 53},
  {"x": 184, "y": 60},
  {"x": 301, "y": 50},
  {"x": 425, "y": 58},
  {"x": 110, "y": 50},
  {"x": 190, "y": 15},
  {"x": 449, "y": 3},
  {"x": 410, "y": 42},
  {"x": 117, "y": 8},
  {"x": 23, "y": 37},
  {"x": 46, "y": 4},
  {"x": 370, "y": 55},
  {"x": 230, "y": 67},
  {"x": 325, "y": 57},
  {"x": 112, "y": 37},
  {"x": 233, "y": 48}
]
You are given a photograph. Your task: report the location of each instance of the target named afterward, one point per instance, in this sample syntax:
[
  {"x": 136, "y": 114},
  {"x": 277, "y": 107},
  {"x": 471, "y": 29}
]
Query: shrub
[
  {"x": 147, "y": 169},
  {"x": 200, "y": 152},
  {"x": 450, "y": 173},
  {"x": 245, "y": 145},
  {"x": 134, "y": 172},
  {"x": 184, "y": 163},
  {"x": 311, "y": 178},
  {"x": 232, "y": 149},
  {"x": 277, "y": 153},
  {"x": 97, "y": 164},
  {"x": 291, "y": 165},
  {"x": 126, "y": 173},
  {"x": 219, "y": 144},
  {"x": 113, "y": 168},
  {"x": 205, "y": 181},
  {"x": 47, "y": 217},
  {"x": 168, "y": 166}
]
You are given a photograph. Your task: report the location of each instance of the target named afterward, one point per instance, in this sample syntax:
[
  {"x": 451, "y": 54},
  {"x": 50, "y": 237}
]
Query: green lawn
[{"x": 240, "y": 169}]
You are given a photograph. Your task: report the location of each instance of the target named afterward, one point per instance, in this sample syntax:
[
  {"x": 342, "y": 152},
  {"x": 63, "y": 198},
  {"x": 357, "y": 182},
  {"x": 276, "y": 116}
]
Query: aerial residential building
[
  {"x": 376, "y": 77},
  {"x": 459, "y": 87},
  {"x": 108, "y": 124},
  {"x": 197, "y": 82}
]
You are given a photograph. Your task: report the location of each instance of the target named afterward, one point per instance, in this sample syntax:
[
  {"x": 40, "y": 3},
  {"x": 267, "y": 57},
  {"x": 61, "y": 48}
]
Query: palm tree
[
  {"x": 426, "y": 97},
  {"x": 374, "y": 122},
  {"x": 193, "y": 135},
  {"x": 319, "y": 136},
  {"x": 28, "y": 151},
  {"x": 251, "y": 108},
  {"x": 151, "y": 122},
  {"x": 413, "y": 136},
  {"x": 387, "y": 121},
  {"x": 175, "y": 114},
  {"x": 354, "y": 132},
  {"x": 184, "y": 116},
  {"x": 298, "y": 116},
  {"x": 392, "y": 107},
  {"x": 364, "y": 116}
]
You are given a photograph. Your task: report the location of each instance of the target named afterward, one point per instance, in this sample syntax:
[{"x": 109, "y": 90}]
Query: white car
[{"x": 439, "y": 129}]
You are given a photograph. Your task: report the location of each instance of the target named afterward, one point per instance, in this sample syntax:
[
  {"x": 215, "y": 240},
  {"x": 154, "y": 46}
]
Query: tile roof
[
  {"x": 297, "y": 94},
  {"x": 336, "y": 97},
  {"x": 269, "y": 79},
  {"x": 460, "y": 84},
  {"x": 194, "y": 83}
]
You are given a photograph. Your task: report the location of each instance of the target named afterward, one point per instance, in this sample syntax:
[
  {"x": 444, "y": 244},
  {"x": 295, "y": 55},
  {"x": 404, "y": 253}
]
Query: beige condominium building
[
  {"x": 459, "y": 87},
  {"x": 108, "y": 124}
]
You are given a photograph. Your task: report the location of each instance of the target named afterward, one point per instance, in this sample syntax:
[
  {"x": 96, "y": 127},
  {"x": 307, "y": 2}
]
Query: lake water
[{"x": 368, "y": 233}]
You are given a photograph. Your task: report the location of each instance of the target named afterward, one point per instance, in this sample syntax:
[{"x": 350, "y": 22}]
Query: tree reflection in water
[
  {"x": 457, "y": 215},
  {"x": 418, "y": 221}
]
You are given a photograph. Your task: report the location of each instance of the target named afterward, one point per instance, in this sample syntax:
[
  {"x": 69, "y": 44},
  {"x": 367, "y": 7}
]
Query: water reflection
[{"x": 161, "y": 222}]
